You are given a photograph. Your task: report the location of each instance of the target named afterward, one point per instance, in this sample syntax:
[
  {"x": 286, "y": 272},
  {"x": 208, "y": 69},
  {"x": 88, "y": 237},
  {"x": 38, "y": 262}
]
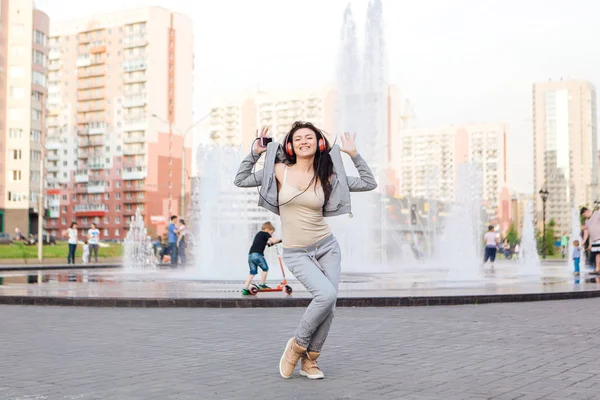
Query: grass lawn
[{"x": 19, "y": 250}]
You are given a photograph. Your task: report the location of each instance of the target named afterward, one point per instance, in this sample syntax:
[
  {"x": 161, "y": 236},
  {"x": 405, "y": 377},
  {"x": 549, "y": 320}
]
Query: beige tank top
[{"x": 302, "y": 221}]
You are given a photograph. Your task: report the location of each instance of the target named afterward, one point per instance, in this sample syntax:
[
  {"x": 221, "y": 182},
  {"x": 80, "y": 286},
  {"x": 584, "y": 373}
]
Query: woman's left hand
[{"x": 348, "y": 144}]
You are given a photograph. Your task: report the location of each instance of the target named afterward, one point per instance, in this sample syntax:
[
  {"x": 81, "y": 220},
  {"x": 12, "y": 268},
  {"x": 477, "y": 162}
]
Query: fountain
[
  {"x": 529, "y": 259},
  {"x": 138, "y": 253},
  {"x": 459, "y": 248}
]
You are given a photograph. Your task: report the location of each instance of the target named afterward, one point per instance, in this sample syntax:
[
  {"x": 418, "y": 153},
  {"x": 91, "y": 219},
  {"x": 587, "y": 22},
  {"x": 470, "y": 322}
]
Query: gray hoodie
[{"x": 341, "y": 185}]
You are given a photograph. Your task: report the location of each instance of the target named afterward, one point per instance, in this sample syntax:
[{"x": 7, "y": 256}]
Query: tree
[
  {"x": 548, "y": 240},
  {"x": 512, "y": 235}
]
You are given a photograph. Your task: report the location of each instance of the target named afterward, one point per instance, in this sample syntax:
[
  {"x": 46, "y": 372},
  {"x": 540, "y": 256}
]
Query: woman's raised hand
[
  {"x": 256, "y": 147},
  {"x": 348, "y": 144}
]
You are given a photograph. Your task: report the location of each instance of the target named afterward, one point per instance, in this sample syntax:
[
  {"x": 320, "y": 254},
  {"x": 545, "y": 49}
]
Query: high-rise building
[
  {"x": 120, "y": 102},
  {"x": 234, "y": 120},
  {"x": 565, "y": 148},
  {"x": 426, "y": 161},
  {"x": 23, "y": 76}
]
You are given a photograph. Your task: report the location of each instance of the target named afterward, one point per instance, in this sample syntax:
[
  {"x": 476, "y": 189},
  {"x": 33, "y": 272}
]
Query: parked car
[{"x": 5, "y": 238}]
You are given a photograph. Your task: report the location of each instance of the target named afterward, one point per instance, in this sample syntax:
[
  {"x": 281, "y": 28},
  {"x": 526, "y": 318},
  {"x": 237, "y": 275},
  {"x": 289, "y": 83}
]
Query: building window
[
  {"x": 118, "y": 220},
  {"x": 117, "y": 233},
  {"x": 39, "y": 58},
  {"x": 39, "y": 37},
  {"x": 16, "y": 114},
  {"x": 118, "y": 207},
  {"x": 14, "y": 133},
  {"x": 118, "y": 195},
  {"x": 16, "y": 92},
  {"x": 64, "y": 197},
  {"x": 15, "y": 72},
  {"x": 16, "y": 154},
  {"x": 63, "y": 221},
  {"x": 105, "y": 232},
  {"x": 36, "y": 135},
  {"x": 36, "y": 115},
  {"x": 35, "y": 95},
  {"x": 106, "y": 196},
  {"x": 16, "y": 175},
  {"x": 64, "y": 209},
  {"x": 39, "y": 78}
]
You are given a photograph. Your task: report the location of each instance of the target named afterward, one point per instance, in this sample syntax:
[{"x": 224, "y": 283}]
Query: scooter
[{"x": 254, "y": 289}]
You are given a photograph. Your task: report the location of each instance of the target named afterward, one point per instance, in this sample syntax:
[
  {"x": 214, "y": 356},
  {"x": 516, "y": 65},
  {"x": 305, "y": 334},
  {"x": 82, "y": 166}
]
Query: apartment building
[
  {"x": 23, "y": 78},
  {"x": 565, "y": 148},
  {"x": 426, "y": 161},
  {"x": 234, "y": 119},
  {"x": 119, "y": 102}
]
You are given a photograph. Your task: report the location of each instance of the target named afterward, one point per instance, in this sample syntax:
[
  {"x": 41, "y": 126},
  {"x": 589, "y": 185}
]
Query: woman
[
  {"x": 93, "y": 237},
  {"x": 304, "y": 182},
  {"x": 490, "y": 239},
  {"x": 181, "y": 232},
  {"x": 71, "y": 234}
]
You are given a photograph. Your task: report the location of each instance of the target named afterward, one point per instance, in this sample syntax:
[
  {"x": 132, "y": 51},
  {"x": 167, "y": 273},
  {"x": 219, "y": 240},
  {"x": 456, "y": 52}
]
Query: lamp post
[
  {"x": 544, "y": 195},
  {"x": 184, "y": 134}
]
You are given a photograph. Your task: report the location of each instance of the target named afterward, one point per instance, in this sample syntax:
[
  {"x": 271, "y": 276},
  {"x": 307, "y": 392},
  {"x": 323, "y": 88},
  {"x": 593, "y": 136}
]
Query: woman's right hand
[{"x": 256, "y": 147}]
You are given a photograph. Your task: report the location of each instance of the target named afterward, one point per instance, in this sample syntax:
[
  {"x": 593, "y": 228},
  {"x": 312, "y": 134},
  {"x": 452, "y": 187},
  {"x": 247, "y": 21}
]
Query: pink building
[{"x": 119, "y": 101}]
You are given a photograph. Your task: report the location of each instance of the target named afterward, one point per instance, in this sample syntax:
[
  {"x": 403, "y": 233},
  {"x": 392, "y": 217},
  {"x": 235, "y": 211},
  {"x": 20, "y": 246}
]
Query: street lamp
[
  {"x": 544, "y": 195},
  {"x": 184, "y": 134}
]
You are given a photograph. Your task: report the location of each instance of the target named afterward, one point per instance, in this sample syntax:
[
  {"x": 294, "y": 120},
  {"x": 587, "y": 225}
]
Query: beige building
[
  {"x": 23, "y": 79},
  {"x": 234, "y": 119},
  {"x": 120, "y": 98},
  {"x": 565, "y": 148},
  {"x": 426, "y": 161}
]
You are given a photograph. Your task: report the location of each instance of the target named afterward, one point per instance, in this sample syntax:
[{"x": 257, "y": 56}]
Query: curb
[{"x": 292, "y": 302}]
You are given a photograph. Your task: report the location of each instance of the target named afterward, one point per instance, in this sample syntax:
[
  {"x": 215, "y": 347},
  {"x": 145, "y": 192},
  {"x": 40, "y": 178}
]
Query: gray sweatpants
[{"x": 317, "y": 267}]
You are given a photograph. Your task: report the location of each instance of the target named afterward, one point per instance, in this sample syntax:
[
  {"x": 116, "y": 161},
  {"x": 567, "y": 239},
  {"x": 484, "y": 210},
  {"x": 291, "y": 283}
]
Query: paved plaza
[{"x": 544, "y": 350}]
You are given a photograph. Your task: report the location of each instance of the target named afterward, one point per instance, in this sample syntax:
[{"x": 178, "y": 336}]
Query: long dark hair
[{"x": 322, "y": 164}]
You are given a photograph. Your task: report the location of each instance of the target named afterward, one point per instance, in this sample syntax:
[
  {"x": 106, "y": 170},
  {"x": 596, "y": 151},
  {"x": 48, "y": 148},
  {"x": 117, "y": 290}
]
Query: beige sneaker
[
  {"x": 290, "y": 357},
  {"x": 309, "y": 368}
]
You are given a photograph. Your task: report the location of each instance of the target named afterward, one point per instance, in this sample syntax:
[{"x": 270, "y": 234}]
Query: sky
[{"x": 457, "y": 61}]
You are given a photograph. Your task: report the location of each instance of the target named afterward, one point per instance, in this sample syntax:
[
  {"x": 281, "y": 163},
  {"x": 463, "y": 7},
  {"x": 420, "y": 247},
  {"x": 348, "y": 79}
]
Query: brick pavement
[{"x": 500, "y": 351}]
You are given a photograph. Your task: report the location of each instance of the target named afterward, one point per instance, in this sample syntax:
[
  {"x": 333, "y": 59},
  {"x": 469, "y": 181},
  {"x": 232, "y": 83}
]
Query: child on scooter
[{"x": 256, "y": 256}]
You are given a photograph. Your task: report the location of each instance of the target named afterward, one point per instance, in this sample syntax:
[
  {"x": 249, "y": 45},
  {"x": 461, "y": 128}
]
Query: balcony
[
  {"x": 95, "y": 94},
  {"x": 52, "y": 156},
  {"x": 83, "y": 61},
  {"x": 82, "y": 176},
  {"x": 96, "y": 163},
  {"x": 134, "y": 199},
  {"x": 54, "y": 54},
  {"x": 89, "y": 106},
  {"x": 134, "y": 139},
  {"x": 135, "y": 77},
  {"x": 138, "y": 100},
  {"x": 92, "y": 128},
  {"x": 91, "y": 83},
  {"x": 91, "y": 141},
  {"x": 53, "y": 167},
  {"x": 96, "y": 186},
  {"x": 139, "y": 64},
  {"x": 89, "y": 208},
  {"x": 130, "y": 125},
  {"x": 51, "y": 179},
  {"x": 54, "y": 213},
  {"x": 134, "y": 187},
  {"x": 135, "y": 41},
  {"x": 89, "y": 72},
  {"x": 134, "y": 150},
  {"x": 134, "y": 174}
]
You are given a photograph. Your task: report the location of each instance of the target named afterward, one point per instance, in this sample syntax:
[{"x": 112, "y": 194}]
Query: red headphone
[{"x": 289, "y": 148}]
